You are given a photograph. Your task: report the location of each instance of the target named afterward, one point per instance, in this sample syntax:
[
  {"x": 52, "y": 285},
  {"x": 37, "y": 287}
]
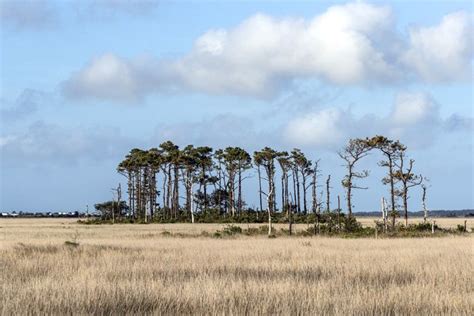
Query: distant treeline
[
  {"x": 44, "y": 214},
  {"x": 435, "y": 213}
]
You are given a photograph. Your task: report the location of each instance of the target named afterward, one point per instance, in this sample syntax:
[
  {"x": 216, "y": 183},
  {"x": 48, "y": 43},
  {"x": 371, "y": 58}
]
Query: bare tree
[
  {"x": 425, "y": 209},
  {"x": 352, "y": 153},
  {"x": 314, "y": 185},
  {"x": 328, "y": 193},
  {"x": 407, "y": 178}
]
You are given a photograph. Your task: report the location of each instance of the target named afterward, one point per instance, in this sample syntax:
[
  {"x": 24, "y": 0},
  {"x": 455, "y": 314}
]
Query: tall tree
[
  {"x": 236, "y": 161},
  {"x": 189, "y": 169},
  {"x": 244, "y": 162},
  {"x": 352, "y": 153},
  {"x": 257, "y": 160},
  {"x": 170, "y": 164},
  {"x": 328, "y": 194},
  {"x": 314, "y": 185},
  {"x": 154, "y": 164},
  {"x": 204, "y": 161},
  {"x": 390, "y": 149},
  {"x": 127, "y": 169},
  {"x": 219, "y": 166},
  {"x": 298, "y": 160},
  {"x": 423, "y": 200},
  {"x": 407, "y": 178},
  {"x": 285, "y": 166},
  {"x": 266, "y": 158}
]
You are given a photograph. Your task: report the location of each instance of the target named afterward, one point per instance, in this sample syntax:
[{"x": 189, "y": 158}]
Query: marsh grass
[{"x": 124, "y": 271}]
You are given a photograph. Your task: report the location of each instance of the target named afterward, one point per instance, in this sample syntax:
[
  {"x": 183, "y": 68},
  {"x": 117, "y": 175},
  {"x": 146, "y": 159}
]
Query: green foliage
[
  {"x": 461, "y": 229},
  {"x": 232, "y": 230}
]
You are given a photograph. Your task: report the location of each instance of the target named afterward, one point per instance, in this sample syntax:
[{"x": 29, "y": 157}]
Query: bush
[
  {"x": 71, "y": 244},
  {"x": 232, "y": 230},
  {"x": 461, "y": 229}
]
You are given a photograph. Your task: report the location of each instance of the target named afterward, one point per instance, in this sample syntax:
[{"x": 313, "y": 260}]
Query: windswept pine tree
[
  {"x": 266, "y": 158},
  {"x": 404, "y": 174},
  {"x": 391, "y": 150},
  {"x": 351, "y": 154}
]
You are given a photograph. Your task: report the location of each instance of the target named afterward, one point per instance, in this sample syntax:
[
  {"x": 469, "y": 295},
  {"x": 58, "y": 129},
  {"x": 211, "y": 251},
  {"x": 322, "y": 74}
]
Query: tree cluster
[{"x": 170, "y": 182}]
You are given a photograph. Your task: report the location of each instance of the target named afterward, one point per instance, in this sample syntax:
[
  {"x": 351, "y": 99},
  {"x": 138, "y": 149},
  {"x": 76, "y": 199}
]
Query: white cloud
[
  {"x": 414, "y": 109},
  {"x": 325, "y": 128},
  {"x": 263, "y": 53},
  {"x": 352, "y": 44},
  {"x": 105, "y": 77},
  {"x": 442, "y": 52},
  {"x": 258, "y": 57},
  {"x": 414, "y": 120}
]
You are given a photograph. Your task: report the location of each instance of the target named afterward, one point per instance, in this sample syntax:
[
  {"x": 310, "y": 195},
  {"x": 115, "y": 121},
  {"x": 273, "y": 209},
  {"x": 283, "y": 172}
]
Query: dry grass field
[{"x": 135, "y": 269}]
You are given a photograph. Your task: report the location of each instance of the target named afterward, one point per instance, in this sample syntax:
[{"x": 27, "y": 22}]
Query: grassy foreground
[{"x": 119, "y": 269}]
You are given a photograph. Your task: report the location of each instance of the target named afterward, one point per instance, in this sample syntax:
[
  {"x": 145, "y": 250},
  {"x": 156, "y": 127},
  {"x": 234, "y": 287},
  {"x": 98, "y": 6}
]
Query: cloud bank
[
  {"x": 352, "y": 44},
  {"x": 414, "y": 119}
]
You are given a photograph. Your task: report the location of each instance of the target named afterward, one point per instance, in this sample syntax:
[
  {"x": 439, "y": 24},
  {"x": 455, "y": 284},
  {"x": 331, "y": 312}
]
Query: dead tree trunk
[
  {"x": 328, "y": 194},
  {"x": 425, "y": 210}
]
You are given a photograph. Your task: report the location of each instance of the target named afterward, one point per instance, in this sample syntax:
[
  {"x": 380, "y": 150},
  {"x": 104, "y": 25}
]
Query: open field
[
  {"x": 134, "y": 268},
  {"x": 43, "y": 230}
]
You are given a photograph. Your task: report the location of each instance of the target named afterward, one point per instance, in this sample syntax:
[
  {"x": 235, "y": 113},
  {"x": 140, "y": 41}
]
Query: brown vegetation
[{"x": 137, "y": 269}]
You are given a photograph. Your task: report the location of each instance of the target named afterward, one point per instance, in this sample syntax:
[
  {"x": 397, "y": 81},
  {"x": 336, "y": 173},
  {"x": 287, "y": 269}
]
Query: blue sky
[{"x": 84, "y": 82}]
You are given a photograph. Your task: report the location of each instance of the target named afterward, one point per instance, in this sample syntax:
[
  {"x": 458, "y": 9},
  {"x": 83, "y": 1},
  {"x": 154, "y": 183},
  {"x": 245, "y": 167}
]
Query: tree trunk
[
  {"x": 425, "y": 210},
  {"x": 313, "y": 191},
  {"x": 260, "y": 187},
  {"x": 283, "y": 205},
  {"x": 168, "y": 195},
  {"x": 405, "y": 202},
  {"x": 232, "y": 192},
  {"x": 239, "y": 203},
  {"x": 328, "y": 193},
  {"x": 304, "y": 194},
  {"x": 298, "y": 200},
  {"x": 392, "y": 183},
  {"x": 165, "y": 179},
  {"x": 176, "y": 191}
]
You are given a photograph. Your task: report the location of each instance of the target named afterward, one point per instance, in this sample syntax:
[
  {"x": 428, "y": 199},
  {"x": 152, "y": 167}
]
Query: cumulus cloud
[
  {"x": 263, "y": 53},
  {"x": 107, "y": 77},
  {"x": 442, "y": 52},
  {"x": 27, "y": 14},
  {"x": 111, "y": 77},
  {"x": 324, "y": 128},
  {"x": 414, "y": 119},
  {"x": 351, "y": 44}
]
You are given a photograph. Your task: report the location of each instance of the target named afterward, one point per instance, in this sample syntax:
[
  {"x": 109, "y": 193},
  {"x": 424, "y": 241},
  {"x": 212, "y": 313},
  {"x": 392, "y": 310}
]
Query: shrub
[
  {"x": 232, "y": 230},
  {"x": 71, "y": 244}
]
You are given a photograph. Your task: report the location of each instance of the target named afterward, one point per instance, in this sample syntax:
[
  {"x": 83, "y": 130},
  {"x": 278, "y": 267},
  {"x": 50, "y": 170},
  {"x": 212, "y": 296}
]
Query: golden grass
[{"x": 120, "y": 269}]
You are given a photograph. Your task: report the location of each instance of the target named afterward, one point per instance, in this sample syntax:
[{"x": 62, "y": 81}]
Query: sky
[{"x": 83, "y": 82}]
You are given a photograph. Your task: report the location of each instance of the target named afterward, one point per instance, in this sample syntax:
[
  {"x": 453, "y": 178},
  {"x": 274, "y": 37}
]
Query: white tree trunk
[{"x": 192, "y": 205}]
